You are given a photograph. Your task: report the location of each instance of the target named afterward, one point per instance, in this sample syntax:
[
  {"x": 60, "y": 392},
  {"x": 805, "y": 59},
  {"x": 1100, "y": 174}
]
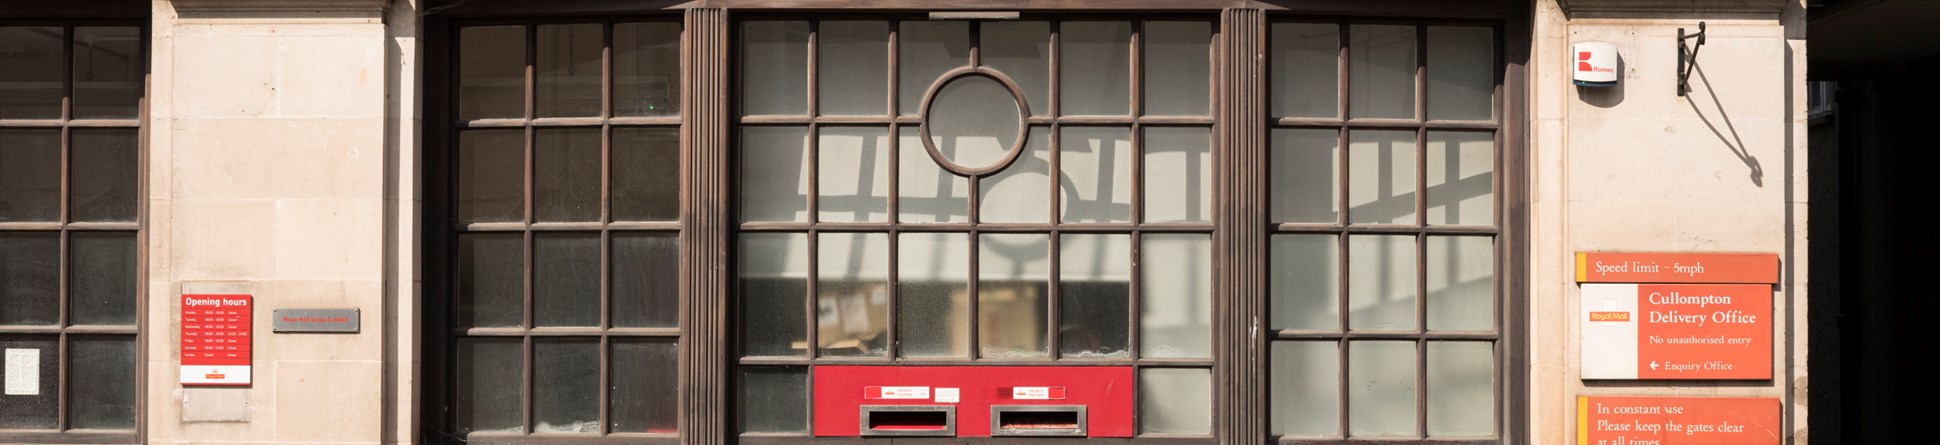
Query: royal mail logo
[{"x": 1610, "y": 316}]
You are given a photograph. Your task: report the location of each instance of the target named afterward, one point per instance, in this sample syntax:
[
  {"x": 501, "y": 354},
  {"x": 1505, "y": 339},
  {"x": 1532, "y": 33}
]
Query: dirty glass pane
[
  {"x": 1461, "y": 72},
  {"x": 1461, "y": 283},
  {"x": 490, "y": 374},
  {"x": 1095, "y": 180},
  {"x": 1461, "y": 388},
  {"x": 1381, "y": 282},
  {"x": 108, "y": 72},
  {"x": 569, "y": 70},
  {"x": 30, "y": 267},
  {"x": 102, "y": 168},
  {"x": 1304, "y": 167},
  {"x": 1381, "y": 177},
  {"x": 927, "y": 50},
  {"x": 1094, "y": 295},
  {"x": 1013, "y": 280},
  {"x": 774, "y": 174},
  {"x": 1305, "y": 388},
  {"x": 1175, "y": 293},
  {"x": 646, "y": 69},
  {"x": 1461, "y": 175},
  {"x": 491, "y": 176},
  {"x": 1381, "y": 388},
  {"x": 774, "y": 400},
  {"x": 1175, "y": 401},
  {"x": 853, "y": 76},
  {"x": 646, "y": 174},
  {"x": 925, "y": 192},
  {"x": 1381, "y": 71},
  {"x": 565, "y": 385},
  {"x": 1305, "y": 70},
  {"x": 854, "y": 174},
  {"x": 30, "y": 77},
  {"x": 1021, "y": 50},
  {"x": 933, "y": 294},
  {"x": 646, "y": 279},
  {"x": 101, "y": 278},
  {"x": 1094, "y": 69},
  {"x": 774, "y": 288},
  {"x": 491, "y": 72},
  {"x": 1305, "y": 282},
  {"x": 36, "y": 359},
  {"x": 645, "y": 388},
  {"x": 1178, "y": 75},
  {"x": 566, "y": 279},
  {"x": 107, "y": 366},
  {"x": 566, "y": 174},
  {"x": 852, "y": 294},
  {"x": 774, "y": 70},
  {"x": 30, "y": 175},
  {"x": 491, "y": 280},
  {"x": 1178, "y": 174},
  {"x": 1020, "y": 193},
  {"x": 974, "y": 121}
]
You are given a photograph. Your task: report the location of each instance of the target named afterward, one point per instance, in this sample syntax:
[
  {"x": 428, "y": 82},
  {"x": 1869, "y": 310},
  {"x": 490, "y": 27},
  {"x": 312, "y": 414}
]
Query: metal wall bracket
[{"x": 1687, "y": 57}]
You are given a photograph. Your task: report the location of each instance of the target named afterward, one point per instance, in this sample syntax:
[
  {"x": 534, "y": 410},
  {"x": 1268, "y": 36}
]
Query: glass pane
[
  {"x": 646, "y": 69},
  {"x": 645, "y": 390},
  {"x": 1178, "y": 75},
  {"x": 924, "y": 191},
  {"x": 1094, "y": 72},
  {"x": 566, "y": 174},
  {"x": 1305, "y": 388},
  {"x": 933, "y": 294},
  {"x": 1305, "y": 282},
  {"x": 1381, "y": 71},
  {"x": 1461, "y": 72},
  {"x": 1305, "y": 170},
  {"x": 1178, "y": 174},
  {"x": 974, "y": 121},
  {"x": 1461, "y": 389},
  {"x": 1021, "y": 50},
  {"x": 566, "y": 279},
  {"x": 103, "y": 173},
  {"x": 490, "y": 373},
  {"x": 1094, "y": 295},
  {"x": 1381, "y": 388},
  {"x": 1461, "y": 283},
  {"x": 101, "y": 282},
  {"x": 491, "y": 283},
  {"x": 1013, "y": 278},
  {"x": 107, "y": 365},
  {"x": 1175, "y": 293},
  {"x": 1381, "y": 282},
  {"x": 774, "y": 174},
  {"x": 34, "y": 360},
  {"x": 1095, "y": 180},
  {"x": 646, "y": 174},
  {"x": 491, "y": 72},
  {"x": 1174, "y": 401},
  {"x": 774, "y": 68},
  {"x": 774, "y": 400},
  {"x": 774, "y": 286},
  {"x": 30, "y": 280},
  {"x": 30, "y": 77},
  {"x": 1306, "y": 70},
  {"x": 854, "y": 174},
  {"x": 926, "y": 50},
  {"x": 1461, "y": 173},
  {"x": 569, "y": 70},
  {"x": 1020, "y": 193},
  {"x": 646, "y": 280},
  {"x": 852, "y": 294},
  {"x": 108, "y": 66},
  {"x": 491, "y": 176},
  {"x": 565, "y": 386},
  {"x": 1381, "y": 179},
  {"x": 853, "y": 76},
  {"x": 30, "y": 175}
]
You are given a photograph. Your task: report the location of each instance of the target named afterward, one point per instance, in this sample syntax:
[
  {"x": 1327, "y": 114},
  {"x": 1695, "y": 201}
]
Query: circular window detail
[{"x": 973, "y": 121}]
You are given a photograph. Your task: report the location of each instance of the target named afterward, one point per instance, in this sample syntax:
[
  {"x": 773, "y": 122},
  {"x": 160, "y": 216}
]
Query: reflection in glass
[
  {"x": 973, "y": 121},
  {"x": 646, "y": 69},
  {"x": 108, "y": 66},
  {"x": 491, "y": 72},
  {"x": 565, "y": 385},
  {"x": 924, "y": 191},
  {"x": 1381, "y": 71},
  {"x": 1381, "y": 282},
  {"x": 1304, "y": 167},
  {"x": 103, "y": 166},
  {"x": 569, "y": 70},
  {"x": 927, "y": 50},
  {"x": 1305, "y": 388},
  {"x": 491, "y": 280},
  {"x": 491, "y": 176},
  {"x": 1095, "y": 174},
  {"x": 1094, "y": 295},
  {"x": 30, "y": 175},
  {"x": 102, "y": 381},
  {"x": 933, "y": 294},
  {"x": 490, "y": 374},
  {"x": 774, "y": 286},
  {"x": 1381, "y": 388},
  {"x": 646, "y": 279},
  {"x": 1305, "y": 70},
  {"x": 1461, "y": 388},
  {"x": 646, "y": 173},
  {"x": 1013, "y": 278},
  {"x": 1305, "y": 282},
  {"x": 645, "y": 391},
  {"x": 30, "y": 280},
  {"x": 1461, "y": 72},
  {"x": 1020, "y": 193},
  {"x": 853, "y": 75},
  {"x": 1461, "y": 283},
  {"x": 774, "y": 174},
  {"x": 774, "y": 68},
  {"x": 30, "y": 77},
  {"x": 1461, "y": 173},
  {"x": 566, "y": 279},
  {"x": 774, "y": 400},
  {"x": 854, "y": 176},
  {"x": 1175, "y": 292},
  {"x": 852, "y": 294},
  {"x": 1178, "y": 174},
  {"x": 1094, "y": 68},
  {"x": 1174, "y": 401},
  {"x": 1381, "y": 177},
  {"x": 1178, "y": 75},
  {"x": 566, "y": 174},
  {"x": 101, "y": 278},
  {"x": 1021, "y": 50}
]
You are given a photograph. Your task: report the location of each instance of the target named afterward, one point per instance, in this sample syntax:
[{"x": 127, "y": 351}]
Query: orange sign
[
  {"x": 1677, "y": 420},
  {"x": 1677, "y": 331},
  {"x": 1613, "y": 267}
]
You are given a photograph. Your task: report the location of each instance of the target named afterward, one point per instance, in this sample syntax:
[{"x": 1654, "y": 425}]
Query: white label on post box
[
  {"x": 947, "y": 395},
  {"x": 896, "y": 392},
  {"x": 23, "y": 372}
]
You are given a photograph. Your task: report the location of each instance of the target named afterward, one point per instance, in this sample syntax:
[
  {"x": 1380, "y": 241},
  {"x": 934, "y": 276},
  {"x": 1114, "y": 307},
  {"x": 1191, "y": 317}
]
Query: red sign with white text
[
  {"x": 1628, "y": 267},
  {"x": 215, "y": 340},
  {"x": 1677, "y": 331},
  {"x": 1677, "y": 420}
]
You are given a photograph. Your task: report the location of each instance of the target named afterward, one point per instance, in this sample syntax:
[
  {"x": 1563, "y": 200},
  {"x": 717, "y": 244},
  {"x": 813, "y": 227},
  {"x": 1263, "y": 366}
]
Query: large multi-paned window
[
  {"x": 1010, "y": 192},
  {"x": 1383, "y": 147},
  {"x": 566, "y": 229},
  {"x": 70, "y": 164}
]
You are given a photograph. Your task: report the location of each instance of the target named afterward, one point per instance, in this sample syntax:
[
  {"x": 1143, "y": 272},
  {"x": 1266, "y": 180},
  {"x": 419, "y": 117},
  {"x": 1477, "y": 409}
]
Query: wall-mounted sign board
[
  {"x": 1677, "y": 331},
  {"x": 1634, "y": 267},
  {"x": 1677, "y": 420},
  {"x": 215, "y": 339},
  {"x": 315, "y": 320}
]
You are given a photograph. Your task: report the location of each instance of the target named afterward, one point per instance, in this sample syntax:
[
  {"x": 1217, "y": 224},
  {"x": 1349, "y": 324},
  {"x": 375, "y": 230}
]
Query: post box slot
[
  {"x": 908, "y": 420},
  {"x": 1037, "y": 420}
]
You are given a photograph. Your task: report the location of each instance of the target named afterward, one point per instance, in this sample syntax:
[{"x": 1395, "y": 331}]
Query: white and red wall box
[
  {"x": 1594, "y": 64},
  {"x": 215, "y": 339}
]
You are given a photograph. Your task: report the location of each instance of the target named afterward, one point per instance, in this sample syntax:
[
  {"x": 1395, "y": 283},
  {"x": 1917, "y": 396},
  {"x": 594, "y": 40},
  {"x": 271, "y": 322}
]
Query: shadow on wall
[
  {"x": 1731, "y": 141},
  {"x": 1604, "y": 97}
]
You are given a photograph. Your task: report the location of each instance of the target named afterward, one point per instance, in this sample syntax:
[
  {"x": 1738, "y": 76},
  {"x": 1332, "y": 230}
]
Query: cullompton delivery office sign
[{"x": 1676, "y": 316}]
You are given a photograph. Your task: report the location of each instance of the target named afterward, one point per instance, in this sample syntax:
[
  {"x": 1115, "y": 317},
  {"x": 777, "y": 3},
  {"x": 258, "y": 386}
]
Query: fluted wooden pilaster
[
  {"x": 705, "y": 231},
  {"x": 1240, "y": 386}
]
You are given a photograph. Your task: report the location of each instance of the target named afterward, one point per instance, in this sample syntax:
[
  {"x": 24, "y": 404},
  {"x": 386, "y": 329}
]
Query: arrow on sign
[{"x": 1653, "y": 366}]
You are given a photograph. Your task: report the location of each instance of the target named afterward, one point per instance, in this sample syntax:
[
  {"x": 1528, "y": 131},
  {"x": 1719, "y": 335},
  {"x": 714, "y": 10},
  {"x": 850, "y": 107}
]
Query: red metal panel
[{"x": 1106, "y": 391}]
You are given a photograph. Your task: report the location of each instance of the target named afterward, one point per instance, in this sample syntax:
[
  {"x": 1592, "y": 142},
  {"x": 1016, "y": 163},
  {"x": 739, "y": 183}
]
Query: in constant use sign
[
  {"x": 1677, "y": 331},
  {"x": 1677, "y": 420}
]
